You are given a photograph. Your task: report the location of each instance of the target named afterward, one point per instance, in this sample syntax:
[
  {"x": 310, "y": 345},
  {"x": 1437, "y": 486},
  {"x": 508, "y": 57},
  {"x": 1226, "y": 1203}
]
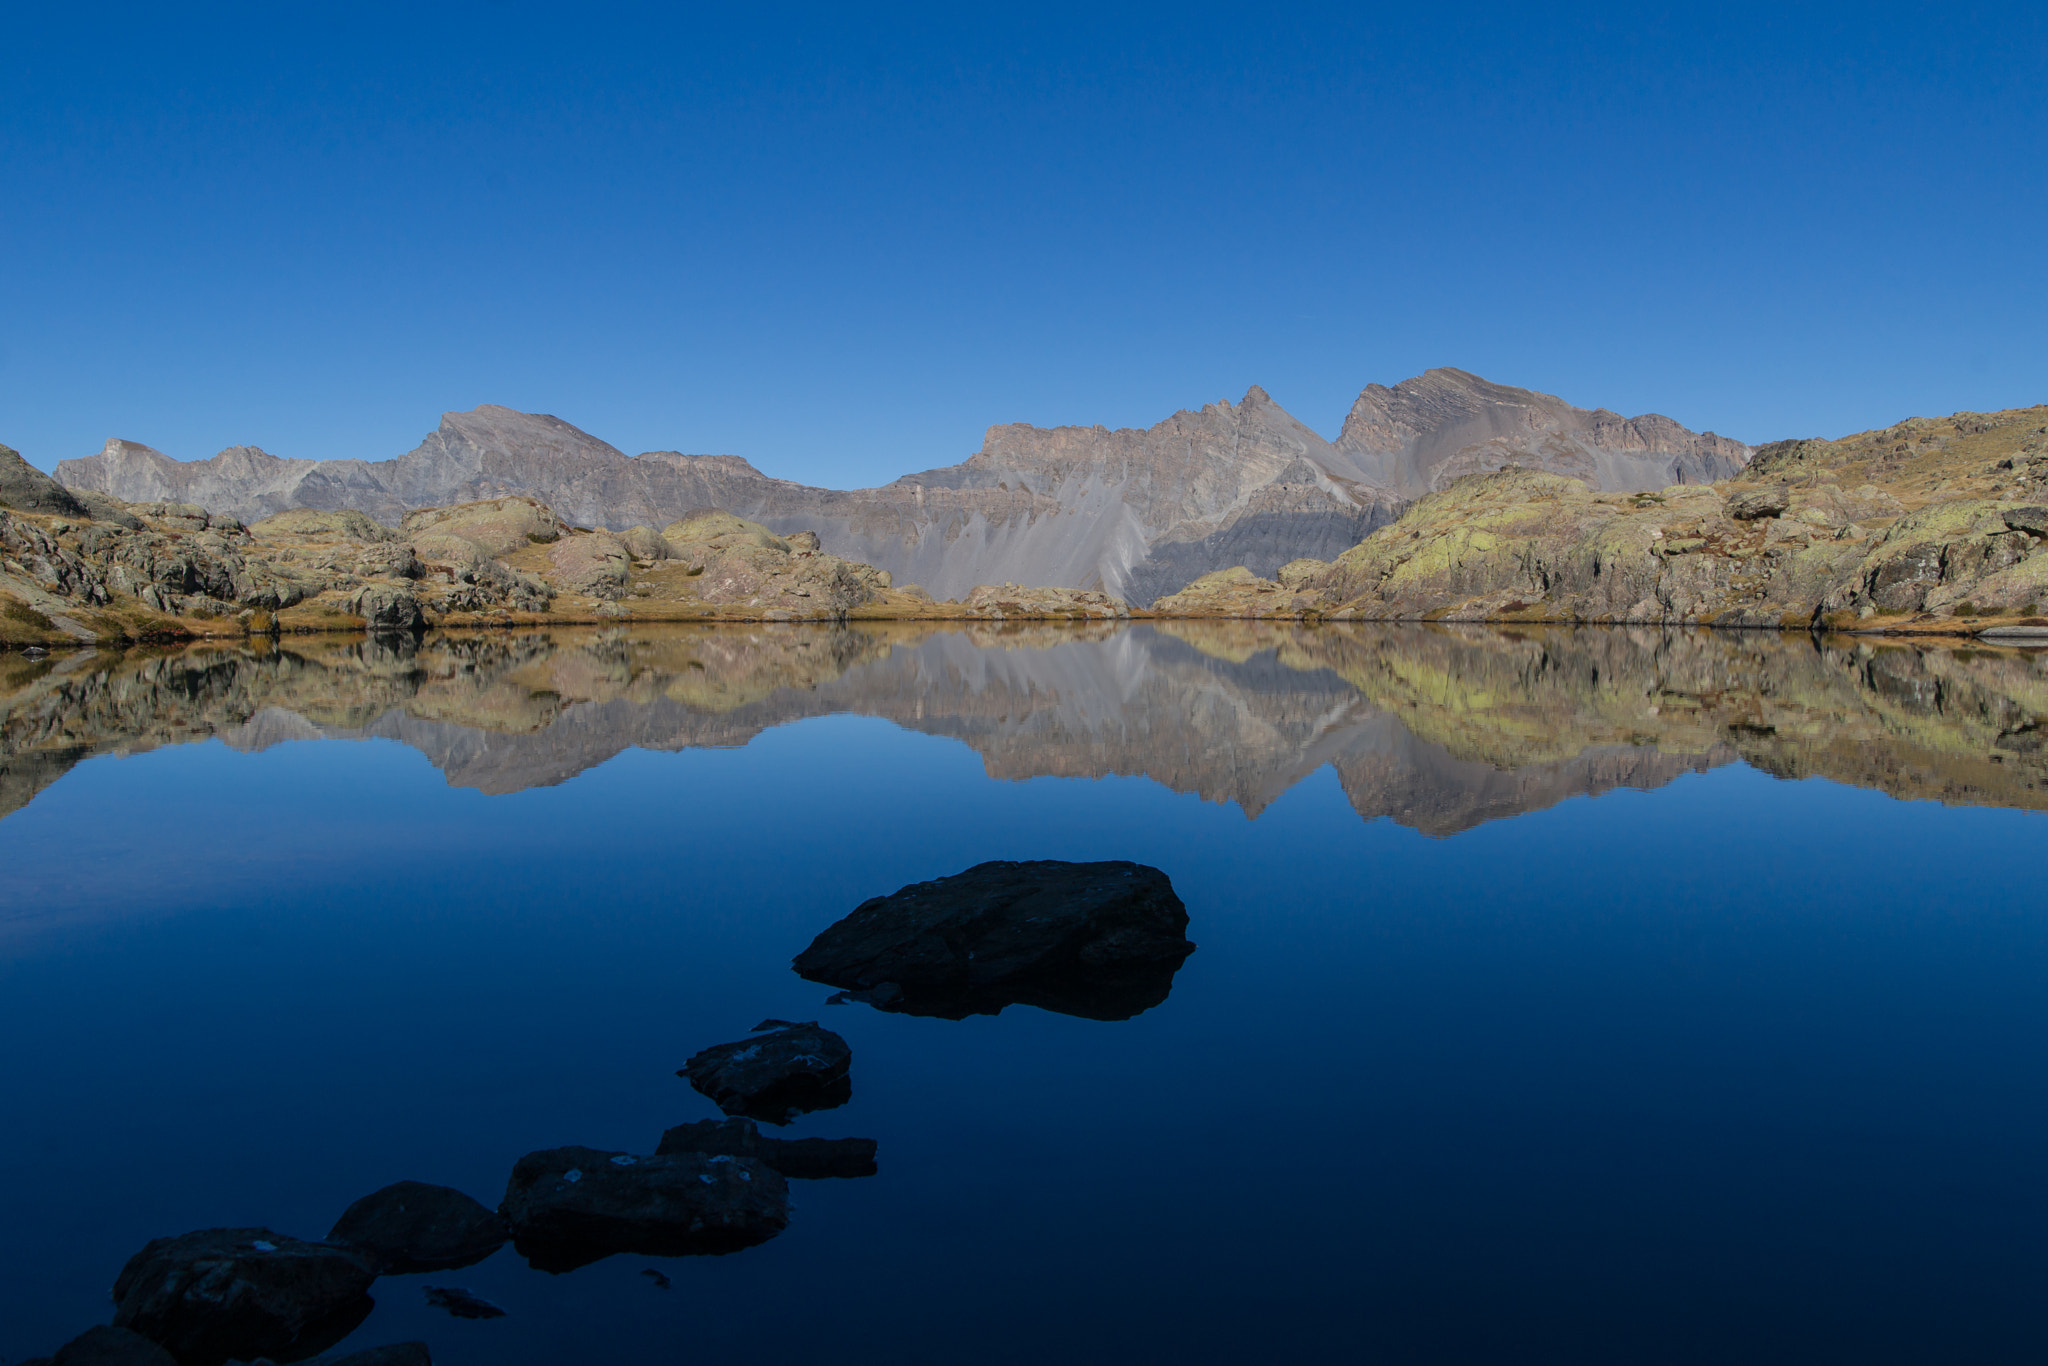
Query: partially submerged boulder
[
  {"x": 799, "y": 1159},
  {"x": 393, "y": 1354},
  {"x": 775, "y": 1076},
  {"x": 411, "y": 1226},
  {"x": 1098, "y": 940},
  {"x": 1011, "y": 602},
  {"x": 242, "y": 1293},
  {"x": 568, "y": 1207}
]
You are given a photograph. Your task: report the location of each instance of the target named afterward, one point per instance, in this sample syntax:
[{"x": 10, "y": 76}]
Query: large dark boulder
[
  {"x": 799, "y": 1159},
  {"x": 243, "y": 1292},
  {"x": 775, "y": 1076},
  {"x": 569, "y": 1207},
  {"x": 1097, "y": 940},
  {"x": 411, "y": 1226},
  {"x": 104, "y": 1346}
]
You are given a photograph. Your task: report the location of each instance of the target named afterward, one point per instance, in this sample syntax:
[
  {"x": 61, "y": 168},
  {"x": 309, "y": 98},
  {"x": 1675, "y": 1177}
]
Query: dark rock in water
[
  {"x": 661, "y": 1282},
  {"x": 243, "y": 1292},
  {"x": 105, "y": 1346},
  {"x": 775, "y": 1076},
  {"x": 773, "y": 1024},
  {"x": 800, "y": 1159},
  {"x": 396, "y": 1354},
  {"x": 461, "y": 1303},
  {"x": 1098, "y": 940},
  {"x": 412, "y": 1226},
  {"x": 569, "y": 1207}
]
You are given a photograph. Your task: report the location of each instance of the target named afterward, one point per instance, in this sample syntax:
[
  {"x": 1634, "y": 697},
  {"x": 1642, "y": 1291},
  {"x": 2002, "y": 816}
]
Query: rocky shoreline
[{"x": 1931, "y": 527}]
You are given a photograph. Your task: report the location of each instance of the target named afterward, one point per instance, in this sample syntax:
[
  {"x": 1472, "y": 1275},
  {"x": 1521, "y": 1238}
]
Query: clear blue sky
[{"x": 842, "y": 242}]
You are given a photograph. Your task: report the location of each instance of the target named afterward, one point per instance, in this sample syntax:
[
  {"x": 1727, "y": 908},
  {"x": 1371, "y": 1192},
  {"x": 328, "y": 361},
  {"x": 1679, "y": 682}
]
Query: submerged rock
[
  {"x": 412, "y": 1226},
  {"x": 1097, "y": 940},
  {"x": 800, "y": 1159},
  {"x": 775, "y": 1076},
  {"x": 569, "y": 1207},
  {"x": 104, "y": 1346},
  {"x": 461, "y": 1303},
  {"x": 395, "y": 1354},
  {"x": 242, "y": 1292}
]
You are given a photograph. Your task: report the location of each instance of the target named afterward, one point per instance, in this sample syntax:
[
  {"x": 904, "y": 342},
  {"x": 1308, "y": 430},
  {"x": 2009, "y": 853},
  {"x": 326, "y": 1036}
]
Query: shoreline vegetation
[{"x": 1930, "y": 527}]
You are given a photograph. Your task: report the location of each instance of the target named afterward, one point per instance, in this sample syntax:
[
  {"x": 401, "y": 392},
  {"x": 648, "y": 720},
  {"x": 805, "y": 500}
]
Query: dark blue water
[{"x": 1733, "y": 1069}]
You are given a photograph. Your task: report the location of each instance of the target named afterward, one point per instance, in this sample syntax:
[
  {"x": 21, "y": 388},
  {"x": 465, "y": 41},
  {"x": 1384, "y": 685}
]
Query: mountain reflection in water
[{"x": 1438, "y": 728}]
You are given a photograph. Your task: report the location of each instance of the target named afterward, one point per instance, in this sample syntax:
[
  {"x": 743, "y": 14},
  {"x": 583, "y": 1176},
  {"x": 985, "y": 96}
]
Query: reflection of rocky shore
[{"x": 1439, "y": 728}]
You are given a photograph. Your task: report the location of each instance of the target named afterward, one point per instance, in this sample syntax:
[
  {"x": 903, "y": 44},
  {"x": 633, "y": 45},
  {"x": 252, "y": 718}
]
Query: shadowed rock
[
  {"x": 775, "y": 1076},
  {"x": 395, "y": 1354},
  {"x": 460, "y": 1303},
  {"x": 242, "y": 1292},
  {"x": 569, "y": 1207},
  {"x": 411, "y": 1226},
  {"x": 800, "y": 1159},
  {"x": 104, "y": 1346},
  {"x": 1097, "y": 940}
]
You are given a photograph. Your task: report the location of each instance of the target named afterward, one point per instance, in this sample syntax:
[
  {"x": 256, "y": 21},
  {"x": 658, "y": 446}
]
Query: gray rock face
[
  {"x": 1423, "y": 433},
  {"x": 1097, "y": 940},
  {"x": 1132, "y": 512},
  {"x": 411, "y": 1226},
  {"x": 569, "y": 1207},
  {"x": 243, "y": 1293},
  {"x": 24, "y": 487}
]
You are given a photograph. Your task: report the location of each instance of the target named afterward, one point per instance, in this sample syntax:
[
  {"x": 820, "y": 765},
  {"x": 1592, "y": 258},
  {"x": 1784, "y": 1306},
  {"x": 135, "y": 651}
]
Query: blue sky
[{"x": 842, "y": 242}]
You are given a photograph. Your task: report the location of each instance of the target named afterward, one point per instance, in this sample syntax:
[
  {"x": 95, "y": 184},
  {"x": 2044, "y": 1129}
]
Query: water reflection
[{"x": 1439, "y": 728}]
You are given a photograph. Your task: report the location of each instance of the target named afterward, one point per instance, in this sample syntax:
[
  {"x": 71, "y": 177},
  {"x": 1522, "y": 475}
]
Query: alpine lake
[{"x": 1558, "y": 995}]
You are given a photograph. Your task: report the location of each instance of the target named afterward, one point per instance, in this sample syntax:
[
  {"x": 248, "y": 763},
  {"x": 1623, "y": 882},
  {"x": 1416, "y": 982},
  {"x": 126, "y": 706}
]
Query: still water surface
[{"x": 1589, "y": 996}]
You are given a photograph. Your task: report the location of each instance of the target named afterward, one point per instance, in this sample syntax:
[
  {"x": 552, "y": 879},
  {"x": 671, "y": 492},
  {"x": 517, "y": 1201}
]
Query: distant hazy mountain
[{"x": 1136, "y": 512}]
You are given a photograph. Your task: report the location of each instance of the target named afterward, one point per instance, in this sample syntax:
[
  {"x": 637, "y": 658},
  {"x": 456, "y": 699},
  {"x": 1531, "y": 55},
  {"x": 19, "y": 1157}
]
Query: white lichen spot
[
  {"x": 708, "y": 1179},
  {"x": 624, "y": 1161},
  {"x": 573, "y": 1175},
  {"x": 262, "y": 1246}
]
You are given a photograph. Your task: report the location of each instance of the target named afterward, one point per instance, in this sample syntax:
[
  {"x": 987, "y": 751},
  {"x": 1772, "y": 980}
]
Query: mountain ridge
[{"x": 1135, "y": 512}]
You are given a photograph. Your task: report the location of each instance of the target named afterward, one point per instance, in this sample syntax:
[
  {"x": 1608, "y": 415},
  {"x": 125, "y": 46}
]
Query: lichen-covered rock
[
  {"x": 568, "y": 1207},
  {"x": 497, "y": 526},
  {"x": 644, "y": 543},
  {"x": 1015, "y": 602},
  {"x": 743, "y": 564},
  {"x": 242, "y": 1293},
  {"x": 1750, "y": 504},
  {"x": 592, "y": 563}
]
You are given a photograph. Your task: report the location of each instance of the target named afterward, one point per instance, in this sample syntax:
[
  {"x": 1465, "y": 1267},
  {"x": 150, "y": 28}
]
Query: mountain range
[{"x": 1134, "y": 512}]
